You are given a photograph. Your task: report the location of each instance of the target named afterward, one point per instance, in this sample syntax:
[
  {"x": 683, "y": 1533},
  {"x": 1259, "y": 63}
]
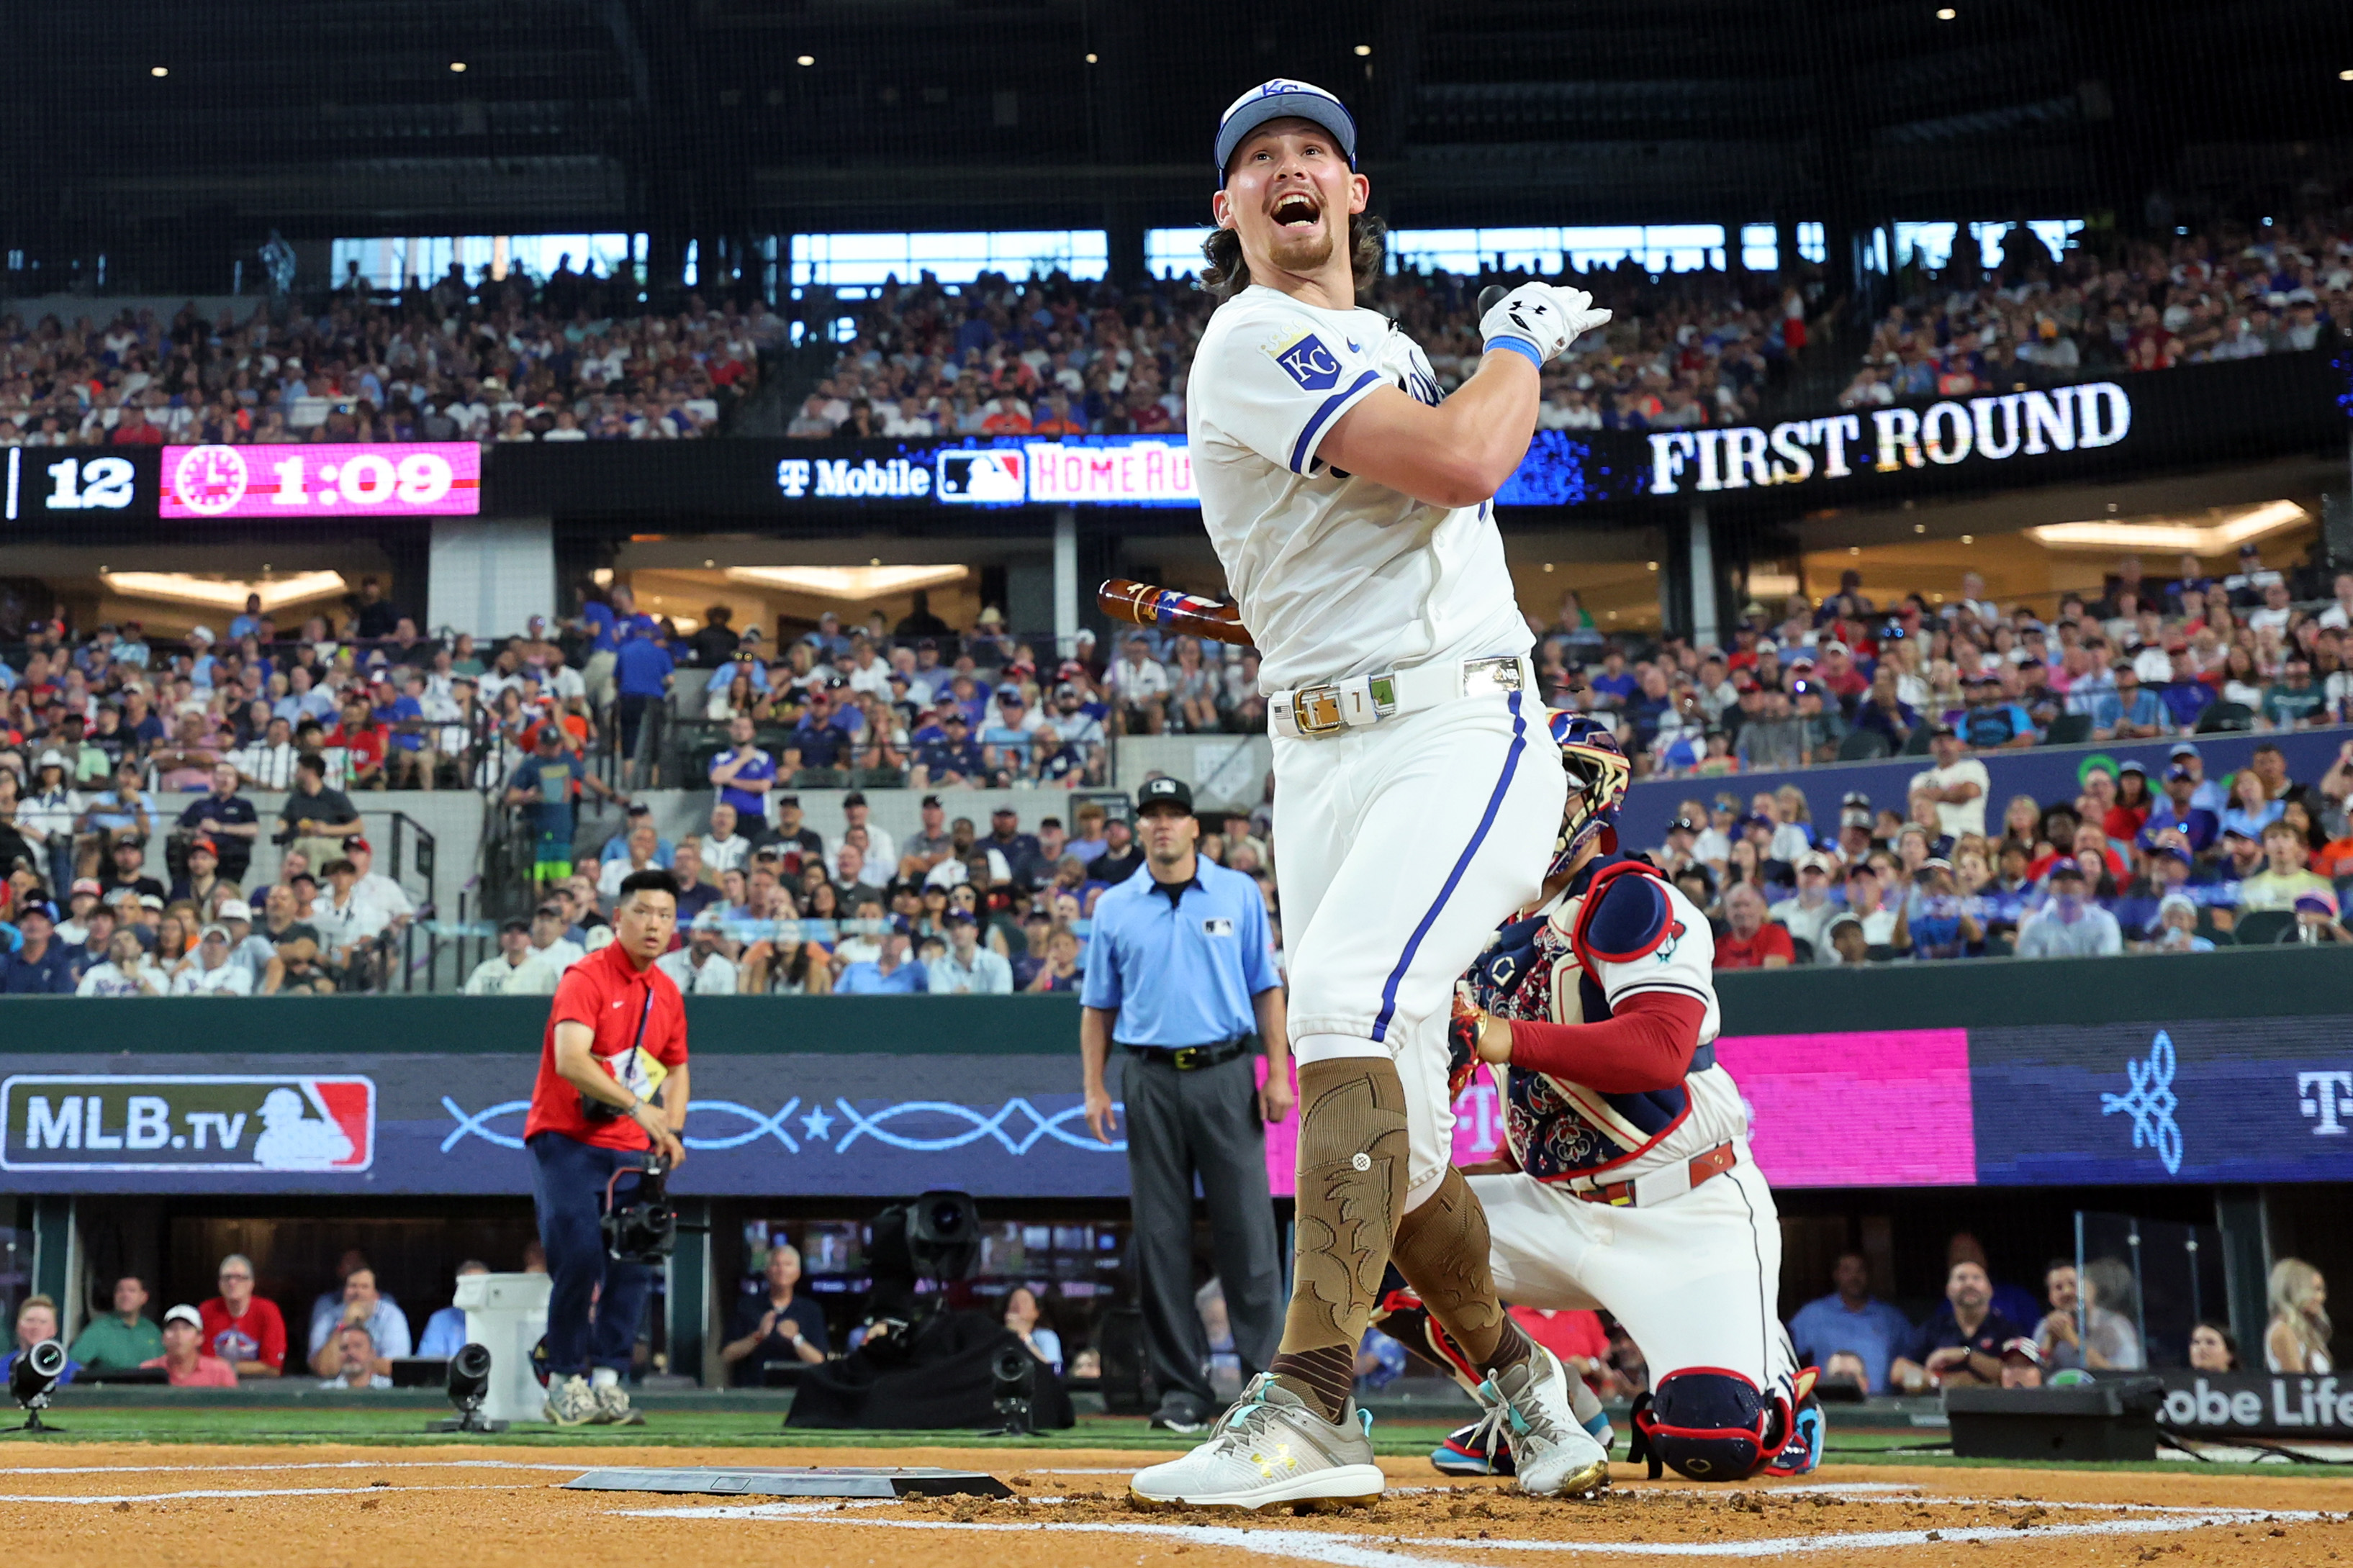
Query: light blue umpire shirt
[{"x": 1181, "y": 970}]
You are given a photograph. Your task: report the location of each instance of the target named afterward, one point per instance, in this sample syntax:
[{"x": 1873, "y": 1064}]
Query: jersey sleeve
[
  {"x": 1646, "y": 936},
  {"x": 1277, "y": 380},
  {"x": 1102, "y": 988},
  {"x": 1260, "y": 972},
  {"x": 577, "y": 998}
]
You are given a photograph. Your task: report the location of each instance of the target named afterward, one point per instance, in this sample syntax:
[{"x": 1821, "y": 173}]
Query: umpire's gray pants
[{"x": 1205, "y": 1122}]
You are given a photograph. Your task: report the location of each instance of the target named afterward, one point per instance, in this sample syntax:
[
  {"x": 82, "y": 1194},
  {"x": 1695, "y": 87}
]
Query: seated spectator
[
  {"x": 2296, "y": 1341},
  {"x": 445, "y": 1330},
  {"x": 124, "y": 1338},
  {"x": 967, "y": 968},
  {"x": 1749, "y": 941},
  {"x": 891, "y": 971},
  {"x": 2285, "y": 876},
  {"x": 777, "y": 1327},
  {"x": 2107, "y": 1340},
  {"x": 516, "y": 969},
  {"x": 359, "y": 1305},
  {"x": 2213, "y": 1348},
  {"x": 1023, "y": 1317},
  {"x": 37, "y": 1323},
  {"x": 228, "y": 820},
  {"x": 1060, "y": 971},
  {"x": 1807, "y": 916},
  {"x": 1140, "y": 690},
  {"x": 549, "y": 923},
  {"x": 1847, "y": 943},
  {"x": 244, "y": 1329},
  {"x": 349, "y": 1360},
  {"x": 42, "y": 964},
  {"x": 127, "y": 972},
  {"x": 1851, "y": 1321},
  {"x": 182, "y": 1355},
  {"x": 1963, "y": 1350},
  {"x": 700, "y": 968},
  {"x": 2069, "y": 925}
]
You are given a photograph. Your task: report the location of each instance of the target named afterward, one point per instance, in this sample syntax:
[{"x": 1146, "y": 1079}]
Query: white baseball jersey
[{"x": 1334, "y": 575}]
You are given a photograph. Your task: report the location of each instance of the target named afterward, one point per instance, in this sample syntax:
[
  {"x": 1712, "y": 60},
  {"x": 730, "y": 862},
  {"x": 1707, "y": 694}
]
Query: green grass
[{"x": 405, "y": 1427}]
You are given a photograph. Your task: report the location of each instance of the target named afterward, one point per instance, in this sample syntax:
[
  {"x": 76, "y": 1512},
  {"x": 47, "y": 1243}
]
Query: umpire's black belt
[{"x": 1192, "y": 1058}]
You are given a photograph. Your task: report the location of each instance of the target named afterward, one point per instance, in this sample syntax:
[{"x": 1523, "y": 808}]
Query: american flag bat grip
[{"x": 1166, "y": 609}]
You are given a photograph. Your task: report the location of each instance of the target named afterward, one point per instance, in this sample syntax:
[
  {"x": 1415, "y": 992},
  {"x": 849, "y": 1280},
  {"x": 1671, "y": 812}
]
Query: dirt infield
[{"x": 136, "y": 1504}]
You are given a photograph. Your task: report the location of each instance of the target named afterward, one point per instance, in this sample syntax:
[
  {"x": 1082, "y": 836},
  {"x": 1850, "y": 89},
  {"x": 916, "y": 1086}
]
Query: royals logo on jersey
[
  {"x": 1307, "y": 361},
  {"x": 1563, "y": 966}
]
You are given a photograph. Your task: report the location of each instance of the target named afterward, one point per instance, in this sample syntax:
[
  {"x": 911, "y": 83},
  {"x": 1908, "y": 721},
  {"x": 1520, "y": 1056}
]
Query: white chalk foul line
[
  {"x": 292, "y": 1465},
  {"x": 1368, "y": 1552},
  {"x": 246, "y": 1492}
]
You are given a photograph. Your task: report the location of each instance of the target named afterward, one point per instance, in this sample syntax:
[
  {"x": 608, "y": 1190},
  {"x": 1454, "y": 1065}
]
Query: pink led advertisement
[
  {"x": 419, "y": 478},
  {"x": 1881, "y": 1109}
]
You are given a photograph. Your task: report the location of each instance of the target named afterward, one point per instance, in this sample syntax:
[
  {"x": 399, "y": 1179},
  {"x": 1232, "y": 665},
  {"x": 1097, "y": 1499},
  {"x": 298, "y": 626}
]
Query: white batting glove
[{"x": 1546, "y": 318}]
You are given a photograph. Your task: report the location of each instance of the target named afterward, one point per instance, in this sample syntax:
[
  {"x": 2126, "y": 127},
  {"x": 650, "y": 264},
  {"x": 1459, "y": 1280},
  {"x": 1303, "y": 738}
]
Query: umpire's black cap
[{"x": 1163, "y": 791}]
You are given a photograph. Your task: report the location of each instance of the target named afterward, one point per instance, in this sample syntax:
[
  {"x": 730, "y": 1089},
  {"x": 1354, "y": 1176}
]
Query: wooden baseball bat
[{"x": 1144, "y": 604}]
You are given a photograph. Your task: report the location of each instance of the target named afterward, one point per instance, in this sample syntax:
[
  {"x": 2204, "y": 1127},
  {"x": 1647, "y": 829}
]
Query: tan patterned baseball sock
[
  {"x": 1441, "y": 1250},
  {"x": 1352, "y": 1186}
]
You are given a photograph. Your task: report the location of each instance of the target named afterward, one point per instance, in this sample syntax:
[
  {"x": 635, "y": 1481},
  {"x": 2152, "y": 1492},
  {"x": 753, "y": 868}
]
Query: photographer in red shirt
[{"x": 616, "y": 1040}]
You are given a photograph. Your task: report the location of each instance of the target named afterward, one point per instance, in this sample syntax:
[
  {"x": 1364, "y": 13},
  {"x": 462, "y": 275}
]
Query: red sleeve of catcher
[{"x": 1647, "y": 1044}]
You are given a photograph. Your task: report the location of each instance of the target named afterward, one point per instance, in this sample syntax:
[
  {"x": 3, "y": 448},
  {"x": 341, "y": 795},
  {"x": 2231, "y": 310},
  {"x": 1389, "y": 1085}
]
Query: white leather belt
[{"x": 1308, "y": 712}]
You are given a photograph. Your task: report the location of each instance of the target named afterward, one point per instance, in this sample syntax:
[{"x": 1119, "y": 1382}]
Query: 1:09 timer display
[{"x": 426, "y": 479}]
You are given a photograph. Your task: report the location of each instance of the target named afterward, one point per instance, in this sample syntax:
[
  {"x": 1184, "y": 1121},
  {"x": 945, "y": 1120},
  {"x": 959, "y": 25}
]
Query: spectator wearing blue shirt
[
  {"x": 827, "y": 639},
  {"x": 1849, "y": 1333},
  {"x": 641, "y": 672},
  {"x": 41, "y": 965},
  {"x": 36, "y": 1320},
  {"x": 2173, "y": 812},
  {"x": 445, "y": 1330},
  {"x": 890, "y": 972},
  {"x": 1992, "y": 722},
  {"x": 618, "y": 847},
  {"x": 1613, "y": 681},
  {"x": 953, "y": 759},
  {"x": 247, "y": 624},
  {"x": 408, "y": 755},
  {"x": 743, "y": 774},
  {"x": 2251, "y": 807},
  {"x": 607, "y": 627},
  {"x": 2140, "y": 714},
  {"x": 825, "y": 735},
  {"x": 2185, "y": 696}
]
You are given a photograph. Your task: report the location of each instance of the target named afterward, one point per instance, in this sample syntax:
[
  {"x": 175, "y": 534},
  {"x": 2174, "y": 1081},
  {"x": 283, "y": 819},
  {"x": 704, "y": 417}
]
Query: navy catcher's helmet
[{"x": 1599, "y": 773}]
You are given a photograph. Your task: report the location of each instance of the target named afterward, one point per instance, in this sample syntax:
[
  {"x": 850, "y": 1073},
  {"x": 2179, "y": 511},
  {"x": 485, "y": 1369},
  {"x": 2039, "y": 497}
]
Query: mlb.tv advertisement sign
[{"x": 2190, "y": 1100}]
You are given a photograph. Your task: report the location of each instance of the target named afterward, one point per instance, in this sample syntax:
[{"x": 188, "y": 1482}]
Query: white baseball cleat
[
  {"x": 1269, "y": 1449},
  {"x": 1551, "y": 1453},
  {"x": 570, "y": 1402}
]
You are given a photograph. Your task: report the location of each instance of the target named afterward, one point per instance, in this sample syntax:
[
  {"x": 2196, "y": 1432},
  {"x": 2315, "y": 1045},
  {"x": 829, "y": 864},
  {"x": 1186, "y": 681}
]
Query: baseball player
[
  {"x": 1353, "y": 510},
  {"x": 1626, "y": 1181}
]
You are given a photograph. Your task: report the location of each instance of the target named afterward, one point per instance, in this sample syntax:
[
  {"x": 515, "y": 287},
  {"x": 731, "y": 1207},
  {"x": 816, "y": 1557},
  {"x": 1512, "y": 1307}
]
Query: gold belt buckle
[
  {"x": 1316, "y": 709},
  {"x": 1187, "y": 1058}
]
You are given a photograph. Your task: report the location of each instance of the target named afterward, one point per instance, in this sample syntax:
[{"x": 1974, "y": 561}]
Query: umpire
[{"x": 1180, "y": 974}]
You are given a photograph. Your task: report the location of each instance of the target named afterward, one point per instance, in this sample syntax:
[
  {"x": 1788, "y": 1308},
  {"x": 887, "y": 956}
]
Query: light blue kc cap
[{"x": 1282, "y": 99}]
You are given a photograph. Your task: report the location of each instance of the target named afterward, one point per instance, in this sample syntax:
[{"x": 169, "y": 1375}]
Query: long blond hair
[{"x": 2292, "y": 1284}]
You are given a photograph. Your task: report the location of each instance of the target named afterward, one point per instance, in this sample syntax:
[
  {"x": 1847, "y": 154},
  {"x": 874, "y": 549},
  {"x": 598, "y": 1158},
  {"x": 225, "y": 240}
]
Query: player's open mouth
[{"x": 1297, "y": 211}]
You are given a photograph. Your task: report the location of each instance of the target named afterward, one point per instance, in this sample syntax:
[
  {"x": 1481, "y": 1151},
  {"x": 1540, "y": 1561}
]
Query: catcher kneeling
[{"x": 1625, "y": 1183}]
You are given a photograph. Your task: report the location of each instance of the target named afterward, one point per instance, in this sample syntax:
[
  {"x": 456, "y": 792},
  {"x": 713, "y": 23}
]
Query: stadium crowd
[
  {"x": 1053, "y": 357},
  {"x": 2230, "y": 293},
  {"x": 565, "y": 360},
  {"x": 2168, "y": 861}
]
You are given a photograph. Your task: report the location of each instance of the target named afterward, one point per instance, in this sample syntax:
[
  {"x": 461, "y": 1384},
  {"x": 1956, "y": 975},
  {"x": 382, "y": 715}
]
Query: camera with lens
[{"x": 643, "y": 1229}]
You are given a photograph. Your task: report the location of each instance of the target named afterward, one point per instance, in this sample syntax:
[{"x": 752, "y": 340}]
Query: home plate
[{"x": 795, "y": 1480}]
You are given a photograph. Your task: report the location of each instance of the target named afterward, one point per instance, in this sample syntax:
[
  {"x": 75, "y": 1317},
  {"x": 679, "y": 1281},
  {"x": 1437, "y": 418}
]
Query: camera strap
[{"x": 598, "y": 1110}]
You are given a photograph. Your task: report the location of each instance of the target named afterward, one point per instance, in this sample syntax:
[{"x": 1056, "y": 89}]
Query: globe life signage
[{"x": 1979, "y": 430}]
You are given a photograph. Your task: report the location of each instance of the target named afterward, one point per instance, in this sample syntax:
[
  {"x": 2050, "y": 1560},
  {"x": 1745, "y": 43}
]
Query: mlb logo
[
  {"x": 1307, "y": 361},
  {"x": 1217, "y": 925},
  {"x": 983, "y": 478}
]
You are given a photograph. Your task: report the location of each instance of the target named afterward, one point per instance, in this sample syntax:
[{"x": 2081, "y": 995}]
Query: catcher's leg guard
[{"x": 1708, "y": 1424}]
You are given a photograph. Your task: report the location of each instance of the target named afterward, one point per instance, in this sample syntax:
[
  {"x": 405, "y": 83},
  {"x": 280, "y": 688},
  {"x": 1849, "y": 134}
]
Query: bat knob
[{"x": 1491, "y": 296}]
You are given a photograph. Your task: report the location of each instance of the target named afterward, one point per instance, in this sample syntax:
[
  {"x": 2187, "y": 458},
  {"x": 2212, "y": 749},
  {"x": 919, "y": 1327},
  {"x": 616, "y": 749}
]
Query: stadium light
[
  {"x": 1363, "y": 50},
  {"x": 1946, "y": 14},
  {"x": 1091, "y": 60},
  {"x": 159, "y": 71},
  {"x": 2345, "y": 76},
  {"x": 459, "y": 67},
  {"x": 808, "y": 60}
]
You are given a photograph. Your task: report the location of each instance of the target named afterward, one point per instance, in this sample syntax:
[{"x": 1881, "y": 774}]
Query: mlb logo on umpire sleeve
[
  {"x": 1217, "y": 925},
  {"x": 1307, "y": 361}
]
